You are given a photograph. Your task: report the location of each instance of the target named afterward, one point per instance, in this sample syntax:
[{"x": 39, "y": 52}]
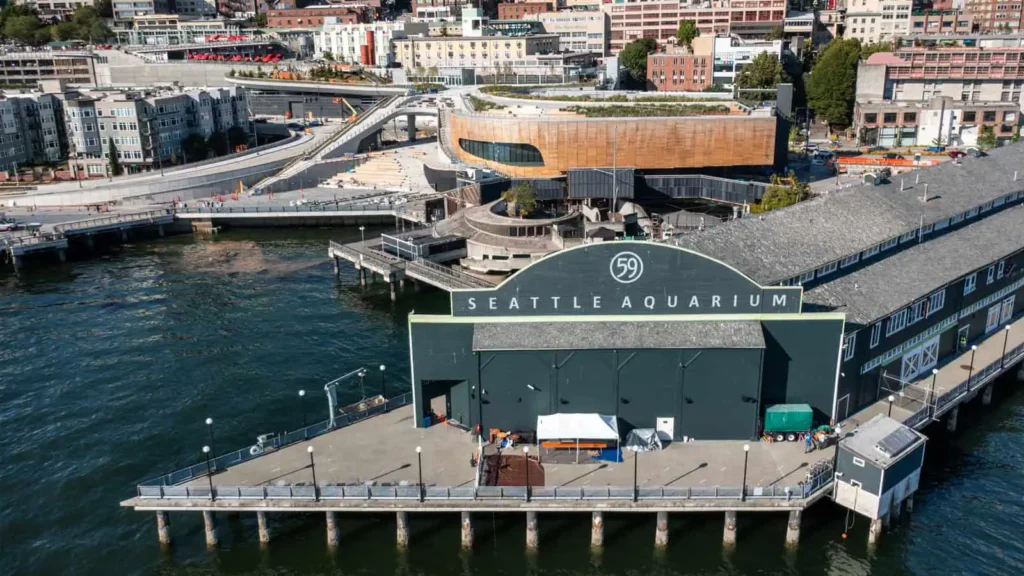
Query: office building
[
  {"x": 578, "y": 30},
  {"x": 872, "y": 21},
  {"x": 514, "y": 10},
  {"x": 27, "y": 69},
  {"x": 354, "y": 43},
  {"x": 712, "y": 61}
]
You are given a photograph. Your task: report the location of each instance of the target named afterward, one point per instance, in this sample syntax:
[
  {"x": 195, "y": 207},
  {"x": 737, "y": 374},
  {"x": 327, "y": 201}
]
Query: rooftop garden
[
  {"x": 648, "y": 110},
  {"x": 481, "y": 105}
]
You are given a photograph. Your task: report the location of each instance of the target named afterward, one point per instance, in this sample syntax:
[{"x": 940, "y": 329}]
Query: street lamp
[
  {"x": 209, "y": 472},
  {"x": 209, "y": 426},
  {"x": 636, "y": 489},
  {"x": 362, "y": 388},
  {"x": 526, "y": 453},
  {"x": 312, "y": 467},
  {"x": 891, "y": 400},
  {"x": 302, "y": 404},
  {"x": 362, "y": 233},
  {"x": 419, "y": 469},
  {"x": 383, "y": 388},
  {"x": 1006, "y": 338},
  {"x": 931, "y": 390},
  {"x": 743, "y": 488},
  {"x": 970, "y": 374}
]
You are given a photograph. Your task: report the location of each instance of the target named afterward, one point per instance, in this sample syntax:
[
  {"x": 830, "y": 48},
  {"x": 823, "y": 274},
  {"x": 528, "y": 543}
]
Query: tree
[
  {"x": 237, "y": 137},
  {"x": 686, "y": 33},
  {"x": 218, "y": 143},
  {"x": 64, "y": 31},
  {"x": 328, "y": 56},
  {"x": 24, "y": 29},
  {"x": 194, "y": 147},
  {"x": 634, "y": 57},
  {"x": 90, "y": 24},
  {"x": 764, "y": 71},
  {"x": 782, "y": 192},
  {"x": 115, "y": 163},
  {"x": 776, "y": 33},
  {"x": 261, "y": 20},
  {"x": 832, "y": 84},
  {"x": 523, "y": 196},
  {"x": 987, "y": 137},
  {"x": 105, "y": 8}
]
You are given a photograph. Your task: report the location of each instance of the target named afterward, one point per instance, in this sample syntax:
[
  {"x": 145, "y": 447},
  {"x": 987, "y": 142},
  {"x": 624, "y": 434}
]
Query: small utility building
[
  {"x": 653, "y": 335},
  {"x": 878, "y": 465}
]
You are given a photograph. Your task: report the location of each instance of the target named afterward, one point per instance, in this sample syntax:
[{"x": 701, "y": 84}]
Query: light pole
[
  {"x": 312, "y": 468},
  {"x": 743, "y": 488},
  {"x": 1006, "y": 338},
  {"x": 419, "y": 469},
  {"x": 209, "y": 472},
  {"x": 931, "y": 389},
  {"x": 526, "y": 454},
  {"x": 383, "y": 388},
  {"x": 636, "y": 464},
  {"x": 974, "y": 350},
  {"x": 209, "y": 426},
  {"x": 362, "y": 388},
  {"x": 302, "y": 405},
  {"x": 891, "y": 400},
  {"x": 362, "y": 234}
]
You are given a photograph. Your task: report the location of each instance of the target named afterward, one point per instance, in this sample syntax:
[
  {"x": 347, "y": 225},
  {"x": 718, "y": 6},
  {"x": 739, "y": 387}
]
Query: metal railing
[
  {"x": 225, "y": 461},
  {"x": 29, "y": 240},
  {"x": 283, "y": 209},
  {"x": 115, "y": 219},
  {"x": 413, "y": 492},
  {"x": 979, "y": 377},
  {"x": 459, "y": 279}
]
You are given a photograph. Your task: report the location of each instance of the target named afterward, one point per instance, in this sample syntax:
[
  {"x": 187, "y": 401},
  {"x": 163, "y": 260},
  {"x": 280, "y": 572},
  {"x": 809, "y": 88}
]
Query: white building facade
[
  {"x": 578, "y": 31},
  {"x": 343, "y": 41},
  {"x": 873, "y": 21}
]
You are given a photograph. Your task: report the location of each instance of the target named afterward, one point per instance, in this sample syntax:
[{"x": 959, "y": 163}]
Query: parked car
[
  {"x": 955, "y": 154},
  {"x": 893, "y": 156},
  {"x": 935, "y": 149}
]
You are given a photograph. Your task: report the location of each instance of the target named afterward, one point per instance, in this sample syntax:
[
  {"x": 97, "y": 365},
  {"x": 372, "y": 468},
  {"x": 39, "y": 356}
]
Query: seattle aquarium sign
[{"x": 627, "y": 278}]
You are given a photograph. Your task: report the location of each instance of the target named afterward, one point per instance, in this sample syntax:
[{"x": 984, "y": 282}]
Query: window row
[{"x": 503, "y": 152}]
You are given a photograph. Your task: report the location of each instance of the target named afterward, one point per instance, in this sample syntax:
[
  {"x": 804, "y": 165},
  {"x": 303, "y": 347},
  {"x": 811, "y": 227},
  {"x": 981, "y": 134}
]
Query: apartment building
[
  {"x": 516, "y": 10},
  {"x": 126, "y": 10},
  {"x": 578, "y": 30},
  {"x": 31, "y": 130},
  {"x": 146, "y": 129},
  {"x": 196, "y": 8},
  {"x": 27, "y": 69},
  {"x": 346, "y": 42},
  {"x": 996, "y": 15},
  {"x": 316, "y": 16},
  {"x": 714, "y": 60},
  {"x": 173, "y": 29},
  {"x": 635, "y": 19},
  {"x": 950, "y": 91},
  {"x": 57, "y": 9},
  {"x": 872, "y": 21},
  {"x": 941, "y": 22}
]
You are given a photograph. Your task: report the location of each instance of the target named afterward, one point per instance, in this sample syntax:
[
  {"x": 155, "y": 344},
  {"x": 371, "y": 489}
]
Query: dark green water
[{"x": 108, "y": 368}]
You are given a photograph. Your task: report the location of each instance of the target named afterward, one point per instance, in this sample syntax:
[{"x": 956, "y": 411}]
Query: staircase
[{"x": 339, "y": 138}]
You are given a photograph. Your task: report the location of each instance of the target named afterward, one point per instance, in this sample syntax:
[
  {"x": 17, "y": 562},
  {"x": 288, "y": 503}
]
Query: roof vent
[{"x": 925, "y": 197}]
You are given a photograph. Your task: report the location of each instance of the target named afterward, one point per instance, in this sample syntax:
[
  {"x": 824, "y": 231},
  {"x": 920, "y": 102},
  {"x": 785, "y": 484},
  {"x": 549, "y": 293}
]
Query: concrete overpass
[{"x": 266, "y": 84}]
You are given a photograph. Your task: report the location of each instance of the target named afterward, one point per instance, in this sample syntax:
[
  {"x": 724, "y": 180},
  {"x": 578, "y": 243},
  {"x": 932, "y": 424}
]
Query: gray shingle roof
[
  {"x": 579, "y": 335},
  {"x": 891, "y": 283},
  {"x": 869, "y": 434},
  {"x": 806, "y": 236}
]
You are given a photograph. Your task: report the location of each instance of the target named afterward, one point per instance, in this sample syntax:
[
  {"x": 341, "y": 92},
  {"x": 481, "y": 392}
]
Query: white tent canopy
[{"x": 577, "y": 427}]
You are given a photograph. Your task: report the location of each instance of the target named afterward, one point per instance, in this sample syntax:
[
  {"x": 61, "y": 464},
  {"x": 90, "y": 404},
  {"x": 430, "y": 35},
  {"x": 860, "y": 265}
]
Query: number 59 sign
[{"x": 626, "y": 267}]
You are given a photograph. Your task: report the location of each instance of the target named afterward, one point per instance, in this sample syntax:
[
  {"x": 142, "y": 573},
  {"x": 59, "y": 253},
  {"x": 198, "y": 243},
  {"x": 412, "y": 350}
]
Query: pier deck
[{"x": 382, "y": 451}]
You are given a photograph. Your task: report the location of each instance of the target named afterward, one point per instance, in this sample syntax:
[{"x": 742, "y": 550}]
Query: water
[{"x": 109, "y": 367}]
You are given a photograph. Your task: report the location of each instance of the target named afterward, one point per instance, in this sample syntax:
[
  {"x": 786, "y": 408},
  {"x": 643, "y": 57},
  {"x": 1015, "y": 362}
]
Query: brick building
[
  {"x": 313, "y": 16},
  {"x": 517, "y": 10}
]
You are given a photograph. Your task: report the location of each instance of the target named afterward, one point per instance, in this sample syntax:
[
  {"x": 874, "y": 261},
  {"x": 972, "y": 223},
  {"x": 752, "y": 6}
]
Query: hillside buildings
[{"x": 713, "y": 60}]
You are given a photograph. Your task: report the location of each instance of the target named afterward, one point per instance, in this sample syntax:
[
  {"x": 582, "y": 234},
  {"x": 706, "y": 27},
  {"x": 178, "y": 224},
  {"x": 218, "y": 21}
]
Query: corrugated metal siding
[
  {"x": 696, "y": 186},
  {"x": 588, "y": 183}
]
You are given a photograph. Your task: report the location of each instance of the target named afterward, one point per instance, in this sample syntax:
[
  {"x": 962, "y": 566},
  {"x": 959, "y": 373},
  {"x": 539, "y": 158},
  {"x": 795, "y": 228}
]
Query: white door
[
  {"x": 911, "y": 365},
  {"x": 993, "y": 318},
  {"x": 666, "y": 428},
  {"x": 1007, "y": 312},
  {"x": 929, "y": 354}
]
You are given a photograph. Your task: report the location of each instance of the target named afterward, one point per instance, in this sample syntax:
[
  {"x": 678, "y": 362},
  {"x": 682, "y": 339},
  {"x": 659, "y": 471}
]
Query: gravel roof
[
  {"x": 784, "y": 243},
  {"x": 891, "y": 283},
  {"x": 581, "y": 335}
]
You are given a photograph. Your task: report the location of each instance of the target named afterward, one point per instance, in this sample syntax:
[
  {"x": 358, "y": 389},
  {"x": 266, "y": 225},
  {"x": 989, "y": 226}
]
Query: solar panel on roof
[{"x": 896, "y": 441}]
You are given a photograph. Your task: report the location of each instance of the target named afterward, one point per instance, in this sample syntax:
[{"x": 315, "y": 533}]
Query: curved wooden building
[{"x": 545, "y": 147}]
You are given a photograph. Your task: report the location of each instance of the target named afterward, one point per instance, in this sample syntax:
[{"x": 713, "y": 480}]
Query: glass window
[
  {"x": 910, "y": 117},
  {"x": 870, "y": 118},
  {"x": 503, "y": 152},
  {"x": 989, "y": 116},
  {"x": 890, "y": 117},
  {"x": 970, "y": 116}
]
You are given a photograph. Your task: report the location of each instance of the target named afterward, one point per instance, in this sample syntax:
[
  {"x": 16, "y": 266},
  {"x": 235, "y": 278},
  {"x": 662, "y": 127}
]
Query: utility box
[
  {"x": 878, "y": 466},
  {"x": 788, "y": 418}
]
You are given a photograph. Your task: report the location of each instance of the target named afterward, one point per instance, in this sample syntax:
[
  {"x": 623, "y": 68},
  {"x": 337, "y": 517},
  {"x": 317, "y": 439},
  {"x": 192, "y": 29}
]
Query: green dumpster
[{"x": 788, "y": 418}]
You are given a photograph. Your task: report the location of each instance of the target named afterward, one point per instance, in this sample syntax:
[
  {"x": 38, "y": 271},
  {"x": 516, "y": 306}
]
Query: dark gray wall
[
  {"x": 800, "y": 364},
  {"x": 903, "y": 468},
  {"x": 720, "y": 394},
  {"x": 868, "y": 475}
]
